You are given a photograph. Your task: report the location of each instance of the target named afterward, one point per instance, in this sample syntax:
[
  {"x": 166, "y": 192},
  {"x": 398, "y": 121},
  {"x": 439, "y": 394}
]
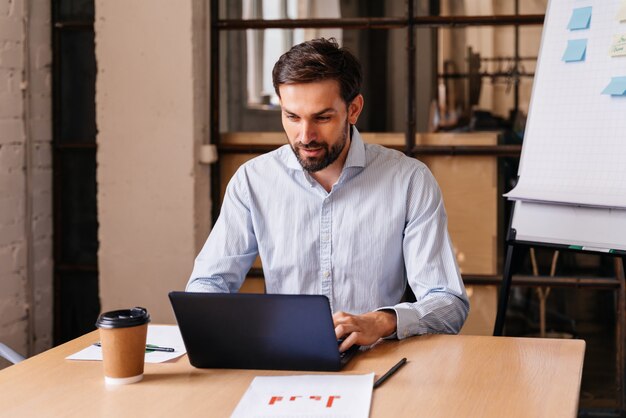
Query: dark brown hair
[{"x": 317, "y": 60}]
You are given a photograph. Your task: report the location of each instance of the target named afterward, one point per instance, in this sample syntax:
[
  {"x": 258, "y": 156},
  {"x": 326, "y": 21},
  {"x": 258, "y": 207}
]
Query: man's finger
[
  {"x": 340, "y": 316},
  {"x": 349, "y": 341},
  {"x": 340, "y": 331}
]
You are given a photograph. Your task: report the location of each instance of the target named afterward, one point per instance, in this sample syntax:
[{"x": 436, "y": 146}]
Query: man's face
[{"x": 316, "y": 121}]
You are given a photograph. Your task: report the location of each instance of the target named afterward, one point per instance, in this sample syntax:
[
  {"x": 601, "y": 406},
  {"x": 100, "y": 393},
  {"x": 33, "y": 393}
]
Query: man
[{"x": 331, "y": 215}]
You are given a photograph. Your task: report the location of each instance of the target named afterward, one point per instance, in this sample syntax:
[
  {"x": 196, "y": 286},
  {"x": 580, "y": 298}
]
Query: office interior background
[{"x": 110, "y": 122}]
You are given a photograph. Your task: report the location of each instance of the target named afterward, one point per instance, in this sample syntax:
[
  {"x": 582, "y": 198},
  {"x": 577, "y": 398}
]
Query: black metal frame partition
[{"x": 409, "y": 22}]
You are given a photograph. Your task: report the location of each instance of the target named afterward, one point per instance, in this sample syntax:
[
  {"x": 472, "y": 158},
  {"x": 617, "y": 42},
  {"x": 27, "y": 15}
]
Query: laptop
[{"x": 258, "y": 331}]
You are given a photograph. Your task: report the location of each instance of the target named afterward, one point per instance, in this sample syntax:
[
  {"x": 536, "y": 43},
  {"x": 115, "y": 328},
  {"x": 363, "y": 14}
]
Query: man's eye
[
  {"x": 323, "y": 118},
  {"x": 292, "y": 117}
]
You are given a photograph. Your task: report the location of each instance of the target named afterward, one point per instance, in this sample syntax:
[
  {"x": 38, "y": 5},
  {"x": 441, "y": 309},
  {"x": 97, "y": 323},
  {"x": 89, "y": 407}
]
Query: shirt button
[
  {"x": 325, "y": 237},
  {"x": 326, "y": 273}
]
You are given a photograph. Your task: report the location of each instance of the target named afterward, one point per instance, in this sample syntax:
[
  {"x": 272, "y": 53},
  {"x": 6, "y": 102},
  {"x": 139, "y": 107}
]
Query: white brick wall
[{"x": 14, "y": 257}]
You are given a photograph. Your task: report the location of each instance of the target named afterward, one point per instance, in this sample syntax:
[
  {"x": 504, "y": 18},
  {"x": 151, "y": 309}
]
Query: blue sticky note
[
  {"x": 576, "y": 50},
  {"x": 617, "y": 87},
  {"x": 581, "y": 18}
]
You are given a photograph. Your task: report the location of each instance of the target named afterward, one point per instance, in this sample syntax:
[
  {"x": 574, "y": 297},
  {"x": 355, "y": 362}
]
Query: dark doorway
[{"x": 76, "y": 300}]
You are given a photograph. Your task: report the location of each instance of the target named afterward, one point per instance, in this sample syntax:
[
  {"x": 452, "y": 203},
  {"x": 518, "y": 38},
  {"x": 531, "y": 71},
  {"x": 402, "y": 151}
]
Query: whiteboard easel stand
[{"x": 513, "y": 252}]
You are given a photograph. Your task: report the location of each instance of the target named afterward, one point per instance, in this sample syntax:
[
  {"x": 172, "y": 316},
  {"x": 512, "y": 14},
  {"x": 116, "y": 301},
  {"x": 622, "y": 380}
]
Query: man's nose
[{"x": 307, "y": 134}]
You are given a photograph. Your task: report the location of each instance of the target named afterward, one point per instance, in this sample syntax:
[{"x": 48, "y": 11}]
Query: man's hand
[{"x": 363, "y": 329}]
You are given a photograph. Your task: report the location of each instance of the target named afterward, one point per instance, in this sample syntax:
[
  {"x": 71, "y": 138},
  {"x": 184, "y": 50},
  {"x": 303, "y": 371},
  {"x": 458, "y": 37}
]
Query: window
[{"x": 263, "y": 48}]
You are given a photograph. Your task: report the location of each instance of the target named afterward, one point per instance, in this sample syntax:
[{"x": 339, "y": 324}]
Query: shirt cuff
[
  {"x": 205, "y": 285},
  {"x": 407, "y": 321}
]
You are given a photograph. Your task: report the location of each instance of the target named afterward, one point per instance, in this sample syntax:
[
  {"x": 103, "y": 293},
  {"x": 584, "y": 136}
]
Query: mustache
[{"x": 311, "y": 145}]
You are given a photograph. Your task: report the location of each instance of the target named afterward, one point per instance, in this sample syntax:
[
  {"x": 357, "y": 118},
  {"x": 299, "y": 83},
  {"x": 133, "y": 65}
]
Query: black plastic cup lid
[{"x": 123, "y": 318}]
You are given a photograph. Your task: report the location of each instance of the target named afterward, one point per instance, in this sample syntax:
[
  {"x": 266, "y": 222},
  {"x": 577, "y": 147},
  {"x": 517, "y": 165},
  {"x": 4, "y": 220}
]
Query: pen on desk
[
  {"x": 390, "y": 373},
  {"x": 150, "y": 347}
]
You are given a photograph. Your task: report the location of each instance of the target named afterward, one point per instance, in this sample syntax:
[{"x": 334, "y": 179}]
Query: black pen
[
  {"x": 389, "y": 373},
  {"x": 151, "y": 347}
]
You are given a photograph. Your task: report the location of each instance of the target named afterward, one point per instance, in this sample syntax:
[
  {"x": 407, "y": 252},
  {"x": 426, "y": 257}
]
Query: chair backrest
[{"x": 9, "y": 354}]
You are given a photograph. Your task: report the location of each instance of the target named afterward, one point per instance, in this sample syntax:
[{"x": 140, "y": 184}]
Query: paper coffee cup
[{"x": 123, "y": 340}]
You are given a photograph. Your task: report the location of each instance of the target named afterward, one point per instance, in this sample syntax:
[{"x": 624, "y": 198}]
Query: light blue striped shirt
[{"x": 382, "y": 224}]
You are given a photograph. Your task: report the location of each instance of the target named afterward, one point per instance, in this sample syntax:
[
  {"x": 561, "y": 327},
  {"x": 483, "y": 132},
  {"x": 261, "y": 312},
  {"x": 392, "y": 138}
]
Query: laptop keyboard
[{"x": 348, "y": 354}]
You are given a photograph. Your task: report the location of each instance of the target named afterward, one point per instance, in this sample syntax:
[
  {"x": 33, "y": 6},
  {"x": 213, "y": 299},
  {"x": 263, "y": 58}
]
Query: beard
[{"x": 329, "y": 155}]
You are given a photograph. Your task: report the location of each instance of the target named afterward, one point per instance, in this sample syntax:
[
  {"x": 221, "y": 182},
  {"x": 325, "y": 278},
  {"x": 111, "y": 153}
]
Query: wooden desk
[{"x": 446, "y": 376}]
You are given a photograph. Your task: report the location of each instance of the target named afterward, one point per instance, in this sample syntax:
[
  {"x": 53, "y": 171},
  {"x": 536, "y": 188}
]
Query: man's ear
[{"x": 354, "y": 109}]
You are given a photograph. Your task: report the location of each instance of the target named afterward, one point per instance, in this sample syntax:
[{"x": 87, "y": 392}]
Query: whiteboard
[
  {"x": 594, "y": 228},
  {"x": 572, "y": 176}
]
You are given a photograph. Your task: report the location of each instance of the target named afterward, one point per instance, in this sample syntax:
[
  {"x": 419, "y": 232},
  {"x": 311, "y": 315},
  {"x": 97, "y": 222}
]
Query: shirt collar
[
  {"x": 356, "y": 154},
  {"x": 355, "y": 157}
]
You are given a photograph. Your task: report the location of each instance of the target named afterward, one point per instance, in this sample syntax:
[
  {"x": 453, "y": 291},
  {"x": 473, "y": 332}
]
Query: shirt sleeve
[
  {"x": 230, "y": 250},
  {"x": 441, "y": 305}
]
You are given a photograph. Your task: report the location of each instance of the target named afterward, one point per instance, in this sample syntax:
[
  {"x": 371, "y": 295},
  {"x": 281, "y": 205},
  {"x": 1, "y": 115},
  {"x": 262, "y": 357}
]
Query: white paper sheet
[
  {"x": 310, "y": 396},
  {"x": 618, "y": 46},
  {"x": 161, "y": 335},
  {"x": 621, "y": 14}
]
